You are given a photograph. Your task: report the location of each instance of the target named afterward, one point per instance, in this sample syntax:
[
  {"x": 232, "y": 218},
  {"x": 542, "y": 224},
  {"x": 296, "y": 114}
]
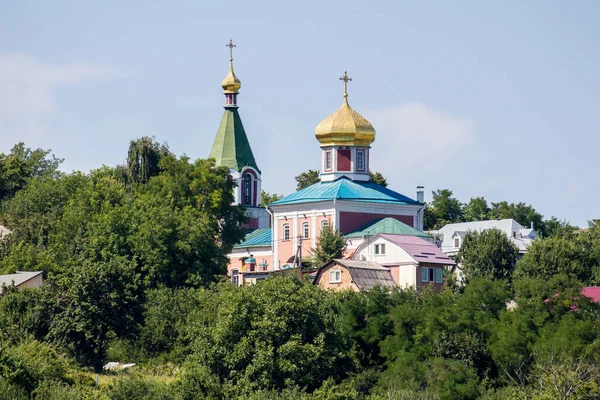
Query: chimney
[{"x": 421, "y": 194}]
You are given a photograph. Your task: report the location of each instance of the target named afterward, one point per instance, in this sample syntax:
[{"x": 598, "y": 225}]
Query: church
[{"x": 282, "y": 233}]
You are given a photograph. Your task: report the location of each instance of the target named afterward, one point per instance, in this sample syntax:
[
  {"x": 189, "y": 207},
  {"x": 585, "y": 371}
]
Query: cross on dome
[
  {"x": 231, "y": 46},
  {"x": 346, "y": 79}
]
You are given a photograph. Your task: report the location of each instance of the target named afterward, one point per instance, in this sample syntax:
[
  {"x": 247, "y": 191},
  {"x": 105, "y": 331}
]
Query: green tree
[
  {"x": 488, "y": 254},
  {"x": 267, "y": 198},
  {"x": 524, "y": 214},
  {"x": 22, "y": 164},
  {"x": 557, "y": 227},
  {"x": 330, "y": 244},
  {"x": 377, "y": 178},
  {"x": 307, "y": 179},
  {"x": 143, "y": 159},
  {"x": 476, "y": 209},
  {"x": 446, "y": 209},
  {"x": 576, "y": 256}
]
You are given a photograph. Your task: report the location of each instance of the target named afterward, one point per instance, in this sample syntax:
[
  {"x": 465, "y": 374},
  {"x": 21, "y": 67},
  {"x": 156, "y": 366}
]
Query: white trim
[
  {"x": 305, "y": 230},
  {"x": 289, "y": 232},
  {"x": 336, "y": 272}
]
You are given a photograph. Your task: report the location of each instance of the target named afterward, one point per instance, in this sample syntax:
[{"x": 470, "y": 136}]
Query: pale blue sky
[{"x": 497, "y": 100}]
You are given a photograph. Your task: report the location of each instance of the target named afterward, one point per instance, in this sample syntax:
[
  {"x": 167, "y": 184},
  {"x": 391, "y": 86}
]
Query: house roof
[
  {"x": 520, "y": 236},
  {"x": 593, "y": 292},
  {"x": 420, "y": 250},
  {"x": 257, "y": 238},
  {"x": 231, "y": 147},
  {"x": 365, "y": 274},
  {"x": 386, "y": 225},
  {"x": 18, "y": 278},
  {"x": 346, "y": 189}
]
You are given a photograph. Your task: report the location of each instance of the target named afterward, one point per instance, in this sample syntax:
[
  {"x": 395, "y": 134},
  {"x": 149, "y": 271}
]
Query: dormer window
[{"x": 457, "y": 242}]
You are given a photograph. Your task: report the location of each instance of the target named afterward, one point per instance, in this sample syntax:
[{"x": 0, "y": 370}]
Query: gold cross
[
  {"x": 231, "y": 46},
  {"x": 346, "y": 79}
]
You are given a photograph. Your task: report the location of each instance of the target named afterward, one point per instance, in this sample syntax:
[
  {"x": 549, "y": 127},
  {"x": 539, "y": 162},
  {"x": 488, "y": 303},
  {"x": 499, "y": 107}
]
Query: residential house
[
  {"x": 452, "y": 235},
  {"x": 355, "y": 275},
  {"x": 412, "y": 261},
  {"x": 22, "y": 279}
]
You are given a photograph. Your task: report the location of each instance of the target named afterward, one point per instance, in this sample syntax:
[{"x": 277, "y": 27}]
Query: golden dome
[
  {"x": 345, "y": 127},
  {"x": 231, "y": 83}
]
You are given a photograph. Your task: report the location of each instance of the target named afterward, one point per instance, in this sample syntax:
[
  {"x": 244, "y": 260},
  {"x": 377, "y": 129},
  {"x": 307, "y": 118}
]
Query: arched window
[
  {"x": 247, "y": 190},
  {"x": 324, "y": 223},
  {"x": 305, "y": 230}
]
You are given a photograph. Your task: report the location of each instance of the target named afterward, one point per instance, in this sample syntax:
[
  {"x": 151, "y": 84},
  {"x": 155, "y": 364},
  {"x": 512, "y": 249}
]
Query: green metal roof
[
  {"x": 231, "y": 147},
  {"x": 257, "y": 237},
  {"x": 386, "y": 225},
  {"x": 346, "y": 189}
]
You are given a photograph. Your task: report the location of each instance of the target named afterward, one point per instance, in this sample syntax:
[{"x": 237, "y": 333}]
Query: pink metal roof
[
  {"x": 419, "y": 249},
  {"x": 593, "y": 292}
]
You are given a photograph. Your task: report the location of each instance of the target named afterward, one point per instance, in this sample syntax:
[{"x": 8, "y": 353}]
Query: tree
[
  {"x": 377, "y": 178},
  {"x": 488, "y": 254},
  {"x": 330, "y": 244},
  {"x": 524, "y": 214},
  {"x": 446, "y": 209},
  {"x": 556, "y": 227},
  {"x": 267, "y": 198},
  {"x": 575, "y": 256},
  {"x": 22, "y": 164},
  {"x": 307, "y": 179},
  {"x": 476, "y": 209},
  {"x": 143, "y": 158}
]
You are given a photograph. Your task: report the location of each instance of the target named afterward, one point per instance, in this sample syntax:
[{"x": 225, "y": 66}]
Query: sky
[{"x": 492, "y": 99}]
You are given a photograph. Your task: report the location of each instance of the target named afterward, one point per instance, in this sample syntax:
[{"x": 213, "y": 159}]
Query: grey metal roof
[
  {"x": 18, "y": 278},
  {"x": 367, "y": 274}
]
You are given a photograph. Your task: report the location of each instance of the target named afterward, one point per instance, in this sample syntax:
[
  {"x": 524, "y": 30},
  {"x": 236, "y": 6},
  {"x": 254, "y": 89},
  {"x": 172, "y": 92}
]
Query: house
[
  {"x": 355, "y": 275},
  {"x": 452, "y": 235},
  {"x": 22, "y": 279},
  {"x": 412, "y": 260}
]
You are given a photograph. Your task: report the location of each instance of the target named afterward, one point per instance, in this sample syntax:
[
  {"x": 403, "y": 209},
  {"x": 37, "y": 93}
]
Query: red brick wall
[{"x": 350, "y": 221}]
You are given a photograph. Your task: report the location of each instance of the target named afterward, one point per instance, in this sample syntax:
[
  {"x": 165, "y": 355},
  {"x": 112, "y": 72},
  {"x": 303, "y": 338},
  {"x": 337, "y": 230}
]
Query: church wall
[{"x": 350, "y": 221}]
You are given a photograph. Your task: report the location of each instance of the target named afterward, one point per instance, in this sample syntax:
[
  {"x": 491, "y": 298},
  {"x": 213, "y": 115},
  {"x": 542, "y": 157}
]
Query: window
[
  {"x": 235, "y": 277},
  {"x": 360, "y": 160},
  {"x": 424, "y": 274},
  {"x": 431, "y": 274},
  {"x": 247, "y": 189},
  {"x": 305, "y": 233},
  {"x": 286, "y": 231},
  {"x": 438, "y": 275},
  {"x": 335, "y": 276},
  {"x": 328, "y": 160},
  {"x": 457, "y": 242},
  {"x": 324, "y": 223},
  {"x": 380, "y": 249}
]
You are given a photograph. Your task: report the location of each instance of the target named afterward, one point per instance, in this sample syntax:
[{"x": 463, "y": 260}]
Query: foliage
[
  {"x": 476, "y": 209},
  {"x": 445, "y": 209},
  {"x": 143, "y": 159},
  {"x": 488, "y": 254},
  {"x": 307, "y": 179},
  {"x": 330, "y": 244},
  {"x": 267, "y": 198},
  {"x": 378, "y": 178},
  {"x": 575, "y": 256},
  {"x": 23, "y": 164},
  {"x": 524, "y": 214}
]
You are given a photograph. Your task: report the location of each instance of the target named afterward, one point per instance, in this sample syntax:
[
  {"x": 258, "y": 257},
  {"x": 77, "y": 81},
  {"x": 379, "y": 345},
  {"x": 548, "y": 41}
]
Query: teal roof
[
  {"x": 231, "y": 147},
  {"x": 346, "y": 189},
  {"x": 257, "y": 237},
  {"x": 386, "y": 225}
]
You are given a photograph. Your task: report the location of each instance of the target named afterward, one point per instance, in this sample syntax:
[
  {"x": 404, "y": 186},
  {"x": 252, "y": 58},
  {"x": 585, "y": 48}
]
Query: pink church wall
[
  {"x": 286, "y": 247},
  {"x": 350, "y": 221}
]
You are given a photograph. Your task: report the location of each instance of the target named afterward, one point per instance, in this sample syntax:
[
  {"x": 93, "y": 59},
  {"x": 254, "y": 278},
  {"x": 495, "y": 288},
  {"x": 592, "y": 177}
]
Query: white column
[{"x": 313, "y": 222}]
